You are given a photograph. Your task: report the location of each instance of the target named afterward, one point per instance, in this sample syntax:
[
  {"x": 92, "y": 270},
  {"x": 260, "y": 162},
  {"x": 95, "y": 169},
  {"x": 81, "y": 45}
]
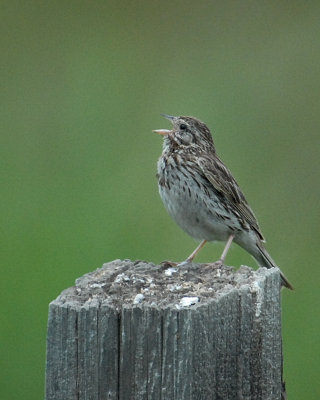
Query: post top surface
[{"x": 125, "y": 282}]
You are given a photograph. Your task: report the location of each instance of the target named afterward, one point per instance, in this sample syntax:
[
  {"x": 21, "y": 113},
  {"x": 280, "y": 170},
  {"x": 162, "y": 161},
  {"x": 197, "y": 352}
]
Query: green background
[{"x": 83, "y": 83}]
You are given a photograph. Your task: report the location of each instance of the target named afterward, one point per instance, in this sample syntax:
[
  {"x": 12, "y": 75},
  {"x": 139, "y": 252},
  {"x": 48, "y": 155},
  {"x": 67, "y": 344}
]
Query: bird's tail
[{"x": 264, "y": 260}]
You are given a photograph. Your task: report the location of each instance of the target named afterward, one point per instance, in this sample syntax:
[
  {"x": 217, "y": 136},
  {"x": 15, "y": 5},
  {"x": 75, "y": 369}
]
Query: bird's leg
[
  {"x": 196, "y": 251},
  {"x": 226, "y": 249},
  {"x": 193, "y": 254}
]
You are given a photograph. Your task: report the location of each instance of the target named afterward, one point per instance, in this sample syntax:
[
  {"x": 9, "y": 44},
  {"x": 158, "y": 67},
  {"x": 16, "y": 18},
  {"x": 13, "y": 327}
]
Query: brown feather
[{"x": 221, "y": 179}]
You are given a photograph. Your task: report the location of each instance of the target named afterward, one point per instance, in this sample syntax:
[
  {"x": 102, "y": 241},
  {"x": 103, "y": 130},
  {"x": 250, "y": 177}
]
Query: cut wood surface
[{"x": 135, "y": 330}]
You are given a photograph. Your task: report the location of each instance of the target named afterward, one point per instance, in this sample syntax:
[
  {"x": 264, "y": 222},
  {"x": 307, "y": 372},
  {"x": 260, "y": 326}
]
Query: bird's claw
[
  {"x": 184, "y": 263},
  {"x": 171, "y": 263}
]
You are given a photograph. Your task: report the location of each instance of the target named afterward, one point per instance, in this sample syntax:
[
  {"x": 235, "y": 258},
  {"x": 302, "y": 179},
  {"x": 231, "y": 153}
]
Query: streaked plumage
[{"x": 200, "y": 193}]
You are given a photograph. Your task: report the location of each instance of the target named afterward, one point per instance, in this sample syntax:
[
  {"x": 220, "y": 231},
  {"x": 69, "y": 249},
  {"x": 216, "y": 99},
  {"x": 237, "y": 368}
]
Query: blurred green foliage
[{"x": 83, "y": 84}]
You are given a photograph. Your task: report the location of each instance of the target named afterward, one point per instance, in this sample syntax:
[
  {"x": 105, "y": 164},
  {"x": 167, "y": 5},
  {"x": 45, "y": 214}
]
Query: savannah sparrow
[{"x": 202, "y": 196}]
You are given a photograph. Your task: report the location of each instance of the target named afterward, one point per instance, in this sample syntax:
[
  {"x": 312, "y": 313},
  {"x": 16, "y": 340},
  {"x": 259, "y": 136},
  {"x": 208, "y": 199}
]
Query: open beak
[
  {"x": 168, "y": 117},
  {"x": 162, "y": 131}
]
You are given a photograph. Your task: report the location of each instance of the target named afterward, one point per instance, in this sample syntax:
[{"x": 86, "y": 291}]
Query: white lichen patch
[
  {"x": 188, "y": 301},
  {"x": 170, "y": 271},
  {"x": 138, "y": 299}
]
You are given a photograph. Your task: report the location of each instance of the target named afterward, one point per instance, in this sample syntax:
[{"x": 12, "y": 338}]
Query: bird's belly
[{"x": 199, "y": 215}]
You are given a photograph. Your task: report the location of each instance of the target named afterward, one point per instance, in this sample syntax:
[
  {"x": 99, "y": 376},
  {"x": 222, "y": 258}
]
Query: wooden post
[{"x": 138, "y": 331}]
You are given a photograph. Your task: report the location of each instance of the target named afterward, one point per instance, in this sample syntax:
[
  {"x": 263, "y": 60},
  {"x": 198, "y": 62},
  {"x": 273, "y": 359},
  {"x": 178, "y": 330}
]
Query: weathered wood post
[{"x": 135, "y": 330}]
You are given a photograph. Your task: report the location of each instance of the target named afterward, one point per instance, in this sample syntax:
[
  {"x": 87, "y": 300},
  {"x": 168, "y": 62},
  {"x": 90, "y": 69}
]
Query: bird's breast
[{"x": 189, "y": 200}]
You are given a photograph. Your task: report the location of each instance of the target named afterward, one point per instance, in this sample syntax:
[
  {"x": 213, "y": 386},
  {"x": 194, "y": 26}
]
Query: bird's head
[{"x": 186, "y": 132}]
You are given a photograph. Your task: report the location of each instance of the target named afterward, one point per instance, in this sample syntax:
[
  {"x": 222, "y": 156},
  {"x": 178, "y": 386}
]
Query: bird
[{"x": 201, "y": 195}]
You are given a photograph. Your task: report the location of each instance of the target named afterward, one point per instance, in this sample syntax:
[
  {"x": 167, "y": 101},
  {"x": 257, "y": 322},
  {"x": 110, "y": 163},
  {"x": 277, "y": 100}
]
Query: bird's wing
[{"x": 222, "y": 181}]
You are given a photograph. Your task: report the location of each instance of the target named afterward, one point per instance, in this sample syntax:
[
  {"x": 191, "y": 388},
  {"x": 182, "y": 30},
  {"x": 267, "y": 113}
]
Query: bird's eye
[{"x": 183, "y": 127}]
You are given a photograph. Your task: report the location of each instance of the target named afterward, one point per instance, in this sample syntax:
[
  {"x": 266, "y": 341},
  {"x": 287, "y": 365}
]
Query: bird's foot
[
  {"x": 178, "y": 264},
  {"x": 170, "y": 263},
  {"x": 184, "y": 263},
  {"x": 218, "y": 264}
]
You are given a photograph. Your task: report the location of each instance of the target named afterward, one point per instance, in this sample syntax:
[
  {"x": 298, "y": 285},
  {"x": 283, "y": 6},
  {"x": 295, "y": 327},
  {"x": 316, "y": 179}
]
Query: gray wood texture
[{"x": 138, "y": 331}]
